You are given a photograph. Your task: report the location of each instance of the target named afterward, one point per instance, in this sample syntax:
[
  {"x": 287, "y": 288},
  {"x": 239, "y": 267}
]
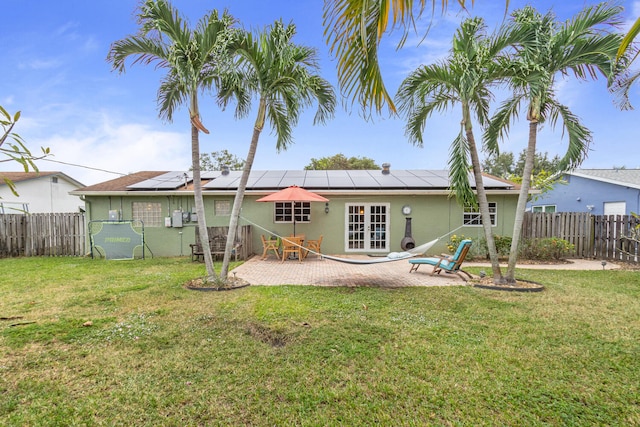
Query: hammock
[{"x": 392, "y": 256}]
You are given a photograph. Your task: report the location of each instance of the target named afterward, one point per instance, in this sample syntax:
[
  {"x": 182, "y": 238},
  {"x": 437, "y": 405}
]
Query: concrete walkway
[{"x": 324, "y": 272}]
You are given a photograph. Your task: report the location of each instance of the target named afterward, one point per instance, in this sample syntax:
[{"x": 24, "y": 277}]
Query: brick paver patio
[{"x": 324, "y": 272}]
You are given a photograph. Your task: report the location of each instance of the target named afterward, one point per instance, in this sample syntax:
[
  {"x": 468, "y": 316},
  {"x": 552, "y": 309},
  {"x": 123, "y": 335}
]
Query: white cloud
[
  {"x": 116, "y": 147},
  {"x": 40, "y": 64},
  {"x": 68, "y": 30}
]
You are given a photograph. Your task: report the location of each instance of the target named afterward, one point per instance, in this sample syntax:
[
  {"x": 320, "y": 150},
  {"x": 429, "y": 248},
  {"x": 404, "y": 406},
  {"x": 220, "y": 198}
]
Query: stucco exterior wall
[
  {"x": 433, "y": 216},
  {"x": 578, "y": 194}
]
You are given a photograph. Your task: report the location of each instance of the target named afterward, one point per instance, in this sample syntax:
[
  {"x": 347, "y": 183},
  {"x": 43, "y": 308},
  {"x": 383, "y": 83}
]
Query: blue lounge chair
[{"x": 448, "y": 263}]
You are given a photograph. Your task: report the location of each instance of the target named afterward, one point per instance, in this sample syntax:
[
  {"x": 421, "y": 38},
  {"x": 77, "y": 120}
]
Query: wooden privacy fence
[
  {"x": 574, "y": 227},
  {"x": 616, "y": 237},
  {"x": 54, "y": 234}
]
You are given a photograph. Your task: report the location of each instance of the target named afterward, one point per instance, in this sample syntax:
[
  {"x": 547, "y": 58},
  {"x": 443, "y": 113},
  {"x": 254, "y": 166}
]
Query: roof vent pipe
[
  {"x": 386, "y": 168},
  {"x": 225, "y": 170}
]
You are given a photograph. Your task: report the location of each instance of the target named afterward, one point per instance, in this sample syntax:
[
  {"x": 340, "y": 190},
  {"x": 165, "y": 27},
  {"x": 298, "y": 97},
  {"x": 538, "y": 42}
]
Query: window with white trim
[
  {"x": 149, "y": 213},
  {"x": 222, "y": 207},
  {"x": 471, "y": 215},
  {"x": 544, "y": 208},
  {"x": 284, "y": 212}
]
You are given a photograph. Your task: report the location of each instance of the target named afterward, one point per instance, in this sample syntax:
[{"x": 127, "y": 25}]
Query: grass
[{"x": 123, "y": 343}]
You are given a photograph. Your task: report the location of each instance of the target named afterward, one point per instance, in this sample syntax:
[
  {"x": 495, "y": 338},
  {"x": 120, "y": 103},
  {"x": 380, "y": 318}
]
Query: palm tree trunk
[
  {"x": 484, "y": 206},
  {"x": 237, "y": 202},
  {"x": 197, "y": 191},
  {"x": 523, "y": 198}
]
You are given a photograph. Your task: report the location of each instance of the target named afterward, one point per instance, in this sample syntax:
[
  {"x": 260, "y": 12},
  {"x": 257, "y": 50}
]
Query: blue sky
[{"x": 55, "y": 72}]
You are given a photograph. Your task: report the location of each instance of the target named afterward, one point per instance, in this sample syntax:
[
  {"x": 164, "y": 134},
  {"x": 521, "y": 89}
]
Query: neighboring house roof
[
  {"x": 121, "y": 184},
  {"x": 623, "y": 177},
  {"x": 319, "y": 180},
  {"x": 26, "y": 176}
]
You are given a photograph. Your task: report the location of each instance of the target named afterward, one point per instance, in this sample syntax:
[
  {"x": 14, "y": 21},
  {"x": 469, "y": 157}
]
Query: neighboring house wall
[
  {"x": 433, "y": 216},
  {"x": 579, "y": 194},
  {"x": 45, "y": 194}
]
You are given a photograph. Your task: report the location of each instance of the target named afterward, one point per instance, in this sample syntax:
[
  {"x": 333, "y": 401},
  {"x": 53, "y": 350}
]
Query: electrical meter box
[
  {"x": 194, "y": 217},
  {"x": 177, "y": 219}
]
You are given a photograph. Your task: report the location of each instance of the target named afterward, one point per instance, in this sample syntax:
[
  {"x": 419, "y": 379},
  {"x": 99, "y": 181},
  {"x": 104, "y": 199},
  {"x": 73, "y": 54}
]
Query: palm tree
[
  {"x": 193, "y": 59},
  {"x": 354, "y": 29},
  {"x": 626, "y": 55},
  {"x": 465, "y": 78},
  {"x": 282, "y": 76},
  {"x": 584, "y": 46}
]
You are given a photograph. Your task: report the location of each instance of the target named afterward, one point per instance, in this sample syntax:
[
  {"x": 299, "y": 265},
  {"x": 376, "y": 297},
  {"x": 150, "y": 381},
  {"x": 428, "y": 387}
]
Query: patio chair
[
  {"x": 292, "y": 246},
  {"x": 448, "y": 263},
  {"x": 313, "y": 245},
  {"x": 270, "y": 245}
]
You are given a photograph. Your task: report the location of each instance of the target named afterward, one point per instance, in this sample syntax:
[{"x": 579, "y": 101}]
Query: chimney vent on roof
[
  {"x": 225, "y": 170},
  {"x": 386, "y": 168}
]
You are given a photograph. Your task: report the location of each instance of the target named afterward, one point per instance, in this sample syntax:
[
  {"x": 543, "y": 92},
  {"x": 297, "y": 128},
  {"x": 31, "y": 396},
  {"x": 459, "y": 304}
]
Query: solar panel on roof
[
  {"x": 330, "y": 179},
  {"x": 363, "y": 179},
  {"x": 316, "y": 182},
  {"x": 411, "y": 181},
  {"x": 167, "y": 181},
  {"x": 270, "y": 182},
  {"x": 388, "y": 180},
  {"x": 339, "y": 179}
]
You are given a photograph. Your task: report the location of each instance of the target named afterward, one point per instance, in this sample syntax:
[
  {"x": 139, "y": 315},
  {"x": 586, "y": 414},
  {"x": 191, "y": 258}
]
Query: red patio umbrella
[{"x": 293, "y": 194}]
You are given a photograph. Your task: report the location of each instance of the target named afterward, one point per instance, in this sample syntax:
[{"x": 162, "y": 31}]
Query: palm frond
[
  {"x": 326, "y": 97},
  {"x": 500, "y": 123},
  {"x": 171, "y": 94},
  {"x": 353, "y": 30},
  {"x": 628, "y": 39},
  {"x": 459, "y": 168},
  {"x": 622, "y": 87},
  {"x": 281, "y": 124},
  {"x": 158, "y": 19},
  {"x": 418, "y": 86},
  {"x": 235, "y": 86},
  {"x": 579, "y": 136},
  {"x": 417, "y": 117},
  {"x": 145, "y": 51}
]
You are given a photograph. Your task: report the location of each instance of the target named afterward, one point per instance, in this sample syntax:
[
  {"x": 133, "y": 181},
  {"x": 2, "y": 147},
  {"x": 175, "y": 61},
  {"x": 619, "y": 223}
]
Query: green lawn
[{"x": 157, "y": 354}]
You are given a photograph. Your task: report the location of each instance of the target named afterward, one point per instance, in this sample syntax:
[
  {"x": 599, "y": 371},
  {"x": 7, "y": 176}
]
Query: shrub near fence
[
  {"x": 574, "y": 227},
  {"x": 54, "y": 234}
]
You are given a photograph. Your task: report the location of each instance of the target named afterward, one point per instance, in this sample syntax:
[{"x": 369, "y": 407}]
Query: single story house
[
  {"x": 368, "y": 212},
  {"x": 39, "y": 192},
  {"x": 599, "y": 191}
]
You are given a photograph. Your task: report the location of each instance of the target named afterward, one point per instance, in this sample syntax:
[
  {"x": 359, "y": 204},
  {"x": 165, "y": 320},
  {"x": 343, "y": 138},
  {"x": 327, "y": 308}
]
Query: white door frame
[{"x": 366, "y": 227}]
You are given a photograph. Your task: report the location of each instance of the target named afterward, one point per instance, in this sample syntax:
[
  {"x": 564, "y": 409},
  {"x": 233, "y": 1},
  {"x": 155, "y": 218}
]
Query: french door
[{"x": 366, "y": 227}]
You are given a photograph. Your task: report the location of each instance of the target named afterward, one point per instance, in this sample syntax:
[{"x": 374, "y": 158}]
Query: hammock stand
[{"x": 391, "y": 256}]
